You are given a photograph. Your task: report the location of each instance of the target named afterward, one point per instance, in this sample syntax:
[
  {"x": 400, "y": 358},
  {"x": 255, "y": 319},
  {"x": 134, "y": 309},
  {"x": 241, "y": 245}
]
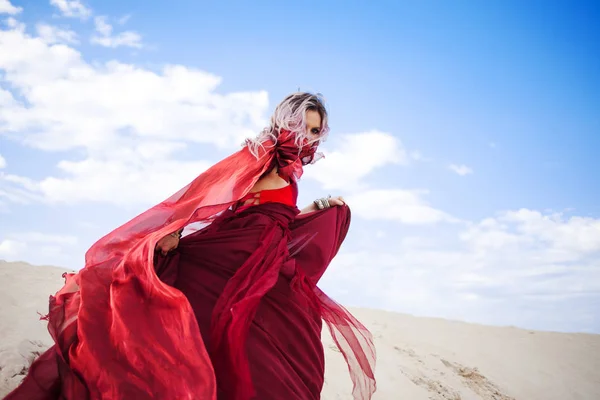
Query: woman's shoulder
[{"x": 270, "y": 181}]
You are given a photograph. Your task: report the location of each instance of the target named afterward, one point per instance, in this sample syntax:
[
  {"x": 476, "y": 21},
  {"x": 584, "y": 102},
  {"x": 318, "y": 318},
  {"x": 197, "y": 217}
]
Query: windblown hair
[{"x": 290, "y": 115}]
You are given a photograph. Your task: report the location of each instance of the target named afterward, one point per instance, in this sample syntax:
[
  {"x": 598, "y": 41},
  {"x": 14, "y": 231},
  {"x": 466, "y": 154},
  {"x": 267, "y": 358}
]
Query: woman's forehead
[{"x": 313, "y": 118}]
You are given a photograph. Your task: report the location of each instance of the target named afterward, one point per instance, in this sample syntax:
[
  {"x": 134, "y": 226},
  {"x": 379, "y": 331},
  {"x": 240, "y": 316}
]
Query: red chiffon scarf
[{"x": 100, "y": 354}]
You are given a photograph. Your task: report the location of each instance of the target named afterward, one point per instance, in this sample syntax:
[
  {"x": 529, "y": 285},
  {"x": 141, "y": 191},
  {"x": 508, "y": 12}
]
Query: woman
[{"x": 229, "y": 312}]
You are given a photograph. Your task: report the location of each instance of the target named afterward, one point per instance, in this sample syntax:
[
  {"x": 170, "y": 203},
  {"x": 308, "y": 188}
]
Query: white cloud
[
  {"x": 7, "y": 8},
  {"x": 52, "y": 34},
  {"x": 141, "y": 180},
  {"x": 11, "y": 249},
  {"x": 405, "y": 206},
  {"x": 565, "y": 237},
  {"x": 103, "y": 27},
  {"x": 147, "y": 175},
  {"x": 527, "y": 253},
  {"x": 417, "y": 156},
  {"x": 105, "y": 37},
  {"x": 461, "y": 170},
  {"x": 544, "y": 265},
  {"x": 37, "y": 247},
  {"x": 357, "y": 156},
  {"x": 73, "y": 104},
  {"x": 17, "y": 189},
  {"x": 123, "y": 20},
  {"x": 2, "y": 162},
  {"x": 72, "y": 8},
  {"x": 44, "y": 238},
  {"x": 123, "y": 120},
  {"x": 15, "y": 24}
]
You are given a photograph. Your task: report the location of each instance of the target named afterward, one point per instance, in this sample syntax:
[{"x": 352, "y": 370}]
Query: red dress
[{"x": 233, "y": 313}]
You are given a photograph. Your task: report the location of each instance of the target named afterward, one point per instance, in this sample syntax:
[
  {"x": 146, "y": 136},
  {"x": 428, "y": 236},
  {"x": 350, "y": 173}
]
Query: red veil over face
[{"x": 100, "y": 353}]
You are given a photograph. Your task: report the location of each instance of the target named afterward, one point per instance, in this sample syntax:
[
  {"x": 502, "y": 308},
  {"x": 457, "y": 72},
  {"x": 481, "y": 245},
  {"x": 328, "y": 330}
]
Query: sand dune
[{"x": 418, "y": 358}]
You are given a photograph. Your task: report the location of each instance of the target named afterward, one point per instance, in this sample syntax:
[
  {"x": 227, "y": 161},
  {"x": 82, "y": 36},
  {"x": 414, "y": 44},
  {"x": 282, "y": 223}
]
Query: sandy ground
[{"x": 418, "y": 358}]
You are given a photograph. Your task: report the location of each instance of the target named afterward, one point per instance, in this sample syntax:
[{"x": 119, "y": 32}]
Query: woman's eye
[{"x": 315, "y": 131}]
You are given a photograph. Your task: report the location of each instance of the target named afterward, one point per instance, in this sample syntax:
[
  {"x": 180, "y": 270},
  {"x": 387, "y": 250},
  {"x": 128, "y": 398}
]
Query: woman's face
[{"x": 313, "y": 125}]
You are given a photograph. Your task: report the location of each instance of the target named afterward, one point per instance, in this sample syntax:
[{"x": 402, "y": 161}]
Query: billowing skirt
[{"x": 233, "y": 314}]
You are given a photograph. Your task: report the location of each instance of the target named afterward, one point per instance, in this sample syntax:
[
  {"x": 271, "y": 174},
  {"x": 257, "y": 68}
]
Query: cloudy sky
[{"x": 465, "y": 136}]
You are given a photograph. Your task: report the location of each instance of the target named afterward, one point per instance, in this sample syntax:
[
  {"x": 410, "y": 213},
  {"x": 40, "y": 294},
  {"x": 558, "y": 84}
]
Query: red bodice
[{"x": 286, "y": 195}]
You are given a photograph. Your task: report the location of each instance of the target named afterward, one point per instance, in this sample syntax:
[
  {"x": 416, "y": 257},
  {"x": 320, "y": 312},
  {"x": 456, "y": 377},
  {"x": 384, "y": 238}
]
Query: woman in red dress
[{"x": 231, "y": 311}]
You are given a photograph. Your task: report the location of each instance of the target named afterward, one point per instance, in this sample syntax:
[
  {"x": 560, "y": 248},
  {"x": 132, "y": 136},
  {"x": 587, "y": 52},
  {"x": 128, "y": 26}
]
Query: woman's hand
[
  {"x": 333, "y": 201},
  {"x": 167, "y": 244},
  {"x": 336, "y": 201}
]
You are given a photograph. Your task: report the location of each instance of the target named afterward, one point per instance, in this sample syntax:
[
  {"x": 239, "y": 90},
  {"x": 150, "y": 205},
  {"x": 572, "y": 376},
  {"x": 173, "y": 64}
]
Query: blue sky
[{"x": 464, "y": 135}]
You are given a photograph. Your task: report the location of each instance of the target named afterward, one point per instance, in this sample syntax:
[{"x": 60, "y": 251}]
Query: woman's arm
[{"x": 308, "y": 209}]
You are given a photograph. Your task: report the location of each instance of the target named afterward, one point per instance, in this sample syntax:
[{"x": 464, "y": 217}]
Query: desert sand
[{"x": 418, "y": 358}]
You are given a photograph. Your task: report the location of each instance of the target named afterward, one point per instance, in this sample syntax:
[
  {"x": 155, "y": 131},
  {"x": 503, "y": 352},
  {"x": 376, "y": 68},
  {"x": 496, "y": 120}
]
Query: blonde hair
[{"x": 290, "y": 115}]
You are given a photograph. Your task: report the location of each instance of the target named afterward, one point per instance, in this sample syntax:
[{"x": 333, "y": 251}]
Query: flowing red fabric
[
  {"x": 120, "y": 332},
  {"x": 313, "y": 247}
]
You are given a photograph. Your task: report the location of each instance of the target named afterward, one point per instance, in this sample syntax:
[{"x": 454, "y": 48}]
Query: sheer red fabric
[
  {"x": 316, "y": 239},
  {"x": 122, "y": 332}
]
